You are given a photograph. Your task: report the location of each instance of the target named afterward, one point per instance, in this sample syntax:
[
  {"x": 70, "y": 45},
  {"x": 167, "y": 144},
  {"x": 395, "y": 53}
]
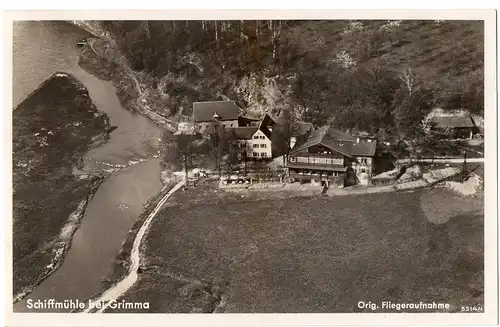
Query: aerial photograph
[{"x": 248, "y": 166}]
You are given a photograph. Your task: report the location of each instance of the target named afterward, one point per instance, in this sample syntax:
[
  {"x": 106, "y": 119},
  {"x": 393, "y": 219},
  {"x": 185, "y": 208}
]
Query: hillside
[{"x": 378, "y": 76}]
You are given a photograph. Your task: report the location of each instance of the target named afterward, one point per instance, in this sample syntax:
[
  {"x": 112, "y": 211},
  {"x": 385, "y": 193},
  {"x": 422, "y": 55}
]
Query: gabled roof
[
  {"x": 205, "y": 111},
  {"x": 363, "y": 149},
  {"x": 453, "y": 121},
  {"x": 244, "y": 133},
  {"x": 320, "y": 136},
  {"x": 337, "y": 141}
]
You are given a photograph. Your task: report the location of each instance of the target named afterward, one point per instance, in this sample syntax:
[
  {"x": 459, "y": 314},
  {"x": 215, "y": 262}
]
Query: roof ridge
[{"x": 213, "y": 101}]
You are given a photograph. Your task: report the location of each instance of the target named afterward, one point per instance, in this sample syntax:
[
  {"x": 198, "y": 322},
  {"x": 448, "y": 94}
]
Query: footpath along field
[{"x": 209, "y": 251}]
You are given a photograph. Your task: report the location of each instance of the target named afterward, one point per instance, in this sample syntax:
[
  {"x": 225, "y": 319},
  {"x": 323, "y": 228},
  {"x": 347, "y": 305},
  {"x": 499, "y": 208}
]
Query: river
[{"x": 41, "y": 48}]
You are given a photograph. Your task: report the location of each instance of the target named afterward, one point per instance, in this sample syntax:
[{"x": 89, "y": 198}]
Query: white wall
[{"x": 260, "y": 144}]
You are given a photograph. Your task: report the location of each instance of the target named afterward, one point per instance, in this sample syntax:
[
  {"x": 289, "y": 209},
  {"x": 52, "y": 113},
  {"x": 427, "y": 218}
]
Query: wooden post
[{"x": 465, "y": 164}]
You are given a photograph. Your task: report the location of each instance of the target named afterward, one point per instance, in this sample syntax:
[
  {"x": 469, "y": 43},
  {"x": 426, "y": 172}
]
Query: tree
[
  {"x": 412, "y": 102},
  {"x": 283, "y": 133},
  {"x": 410, "y": 110},
  {"x": 185, "y": 148},
  {"x": 178, "y": 150},
  {"x": 236, "y": 151},
  {"x": 411, "y": 81},
  {"x": 218, "y": 143}
]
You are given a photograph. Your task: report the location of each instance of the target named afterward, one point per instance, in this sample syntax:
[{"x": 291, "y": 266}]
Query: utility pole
[{"x": 465, "y": 164}]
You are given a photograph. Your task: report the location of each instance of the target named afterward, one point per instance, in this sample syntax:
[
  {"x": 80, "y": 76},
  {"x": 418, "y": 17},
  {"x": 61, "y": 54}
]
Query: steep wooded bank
[
  {"x": 52, "y": 129},
  {"x": 381, "y": 77}
]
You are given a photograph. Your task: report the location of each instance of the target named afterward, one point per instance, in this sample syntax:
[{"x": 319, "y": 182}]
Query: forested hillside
[{"x": 376, "y": 76}]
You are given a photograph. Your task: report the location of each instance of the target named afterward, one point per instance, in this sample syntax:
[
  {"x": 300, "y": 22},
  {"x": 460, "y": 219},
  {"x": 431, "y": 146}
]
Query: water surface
[{"x": 41, "y": 48}]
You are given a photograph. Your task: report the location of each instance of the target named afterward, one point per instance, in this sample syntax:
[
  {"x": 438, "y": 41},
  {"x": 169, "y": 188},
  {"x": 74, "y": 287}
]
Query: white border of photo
[{"x": 490, "y": 314}]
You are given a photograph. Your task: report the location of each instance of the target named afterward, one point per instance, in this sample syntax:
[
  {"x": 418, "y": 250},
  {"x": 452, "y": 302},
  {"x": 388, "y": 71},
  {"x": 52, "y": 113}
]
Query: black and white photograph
[{"x": 256, "y": 165}]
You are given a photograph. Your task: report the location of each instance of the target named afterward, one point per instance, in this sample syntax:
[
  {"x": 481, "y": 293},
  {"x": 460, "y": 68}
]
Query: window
[
  {"x": 255, "y": 145},
  {"x": 231, "y": 125},
  {"x": 263, "y": 146},
  {"x": 255, "y": 154},
  {"x": 292, "y": 159},
  {"x": 262, "y": 154},
  {"x": 255, "y": 137},
  {"x": 262, "y": 137}
]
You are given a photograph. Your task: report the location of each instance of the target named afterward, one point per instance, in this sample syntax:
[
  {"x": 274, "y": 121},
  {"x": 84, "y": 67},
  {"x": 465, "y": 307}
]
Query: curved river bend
[{"x": 41, "y": 48}]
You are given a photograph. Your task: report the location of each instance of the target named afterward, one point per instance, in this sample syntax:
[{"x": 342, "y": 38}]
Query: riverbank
[
  {"x": 123, "y": 260},
  {"x": 134, "y": 89},
  {"x": 52, "y": 130}
]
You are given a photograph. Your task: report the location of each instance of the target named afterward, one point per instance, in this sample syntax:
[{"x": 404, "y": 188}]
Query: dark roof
[
  {"x": 265, "y": 130},
  {"x": 244, "y": 133},
  {"x": 301, "y": 128},
  {"x": 336, "y": 141},
  {"x": 453, "y": 121},
  {"x": 205, "y": 111},
  {"x": 335, "y": 134},
  {"x": 247, "y": 121},
  {"x": 363, "y": 148},
  {"x": 267, "y": 120}
]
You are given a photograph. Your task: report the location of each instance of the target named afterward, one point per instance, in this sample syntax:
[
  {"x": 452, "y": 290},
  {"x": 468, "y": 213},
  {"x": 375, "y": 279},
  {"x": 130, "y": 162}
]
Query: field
[
  {"x": 210, "y": 251},
  {"x": 52, "y": 129}
]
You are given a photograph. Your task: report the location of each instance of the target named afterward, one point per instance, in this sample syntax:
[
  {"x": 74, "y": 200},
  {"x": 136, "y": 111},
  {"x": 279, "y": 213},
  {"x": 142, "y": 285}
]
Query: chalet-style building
[
  {"x": 333, "y": 157},
  {"x": 256, "y": 139},
  {"x": 461, "y": 126},
  {"x": 204, "y": 113}
]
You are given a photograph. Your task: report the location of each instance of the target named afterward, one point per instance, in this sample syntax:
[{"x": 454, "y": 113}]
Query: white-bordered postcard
[{"x": 273, "y": 167}]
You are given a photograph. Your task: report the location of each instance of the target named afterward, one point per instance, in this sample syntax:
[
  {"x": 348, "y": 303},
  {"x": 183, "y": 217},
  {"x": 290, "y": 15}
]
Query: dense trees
[{"x": 379, "y": 76}]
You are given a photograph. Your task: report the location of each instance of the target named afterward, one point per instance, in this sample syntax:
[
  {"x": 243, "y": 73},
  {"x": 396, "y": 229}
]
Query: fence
[{"x": 252, "y": 176}]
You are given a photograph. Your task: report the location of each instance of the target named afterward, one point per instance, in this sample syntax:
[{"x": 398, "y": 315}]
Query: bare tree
[{"x": 411, "y": 80}]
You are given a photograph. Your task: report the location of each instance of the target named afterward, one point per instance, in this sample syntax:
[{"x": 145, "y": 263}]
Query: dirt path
[{"x": 119, "y": 289}]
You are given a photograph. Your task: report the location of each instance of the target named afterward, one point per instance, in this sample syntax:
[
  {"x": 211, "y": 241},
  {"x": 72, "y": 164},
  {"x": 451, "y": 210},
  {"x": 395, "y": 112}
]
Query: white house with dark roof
[
  {"x": 226, "y": 112},
  {"x": 257, "y": 139}
]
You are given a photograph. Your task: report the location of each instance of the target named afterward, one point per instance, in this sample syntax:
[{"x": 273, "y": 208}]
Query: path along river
[{"x": 41, "y": 48}]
